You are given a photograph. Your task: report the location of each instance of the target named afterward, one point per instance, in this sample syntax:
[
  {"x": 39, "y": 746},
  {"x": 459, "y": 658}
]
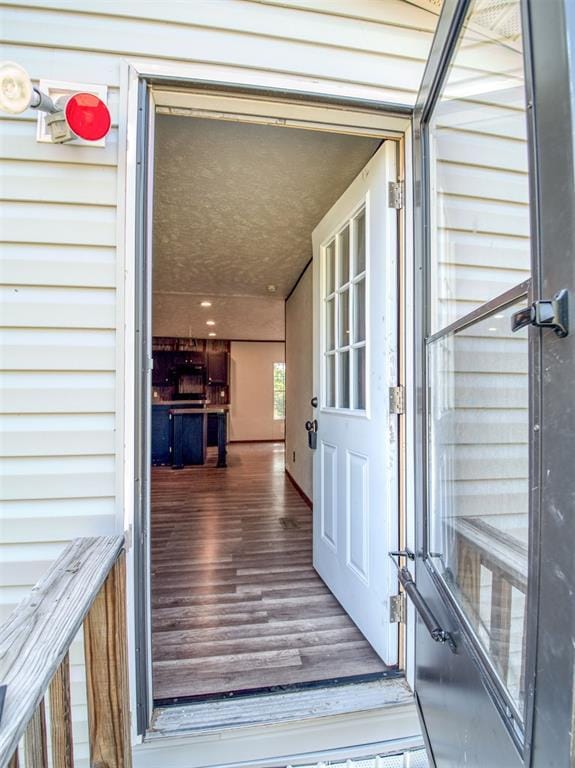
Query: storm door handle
[{"x": 553, "y": 313}]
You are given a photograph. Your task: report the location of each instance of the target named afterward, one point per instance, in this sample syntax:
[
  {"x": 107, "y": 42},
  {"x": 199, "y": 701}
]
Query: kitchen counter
[
  {"x": 190, "y": 435},
  {"x": 198, "y": 411},
  {"x": 163, "y": 422},
  {"x": 196, "y": 404}
]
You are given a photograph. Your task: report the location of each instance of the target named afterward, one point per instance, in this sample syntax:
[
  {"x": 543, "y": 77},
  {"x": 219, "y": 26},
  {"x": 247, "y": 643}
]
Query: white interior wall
[
  {"x": 299, "y": 381},
  {"x": 252, "y": 391}
]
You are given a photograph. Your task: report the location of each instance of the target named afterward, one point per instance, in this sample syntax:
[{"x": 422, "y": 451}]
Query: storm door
[{"x": 479, "y": 427}]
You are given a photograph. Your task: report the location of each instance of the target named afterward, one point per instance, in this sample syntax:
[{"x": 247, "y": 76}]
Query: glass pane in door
[
  {"x": 479, "y": 166},
  {"x": 359, "y": 311},
  {"x": 343, "y": 256},
  {"x": 359, "y": 378},
  {"x": 478, "y": 425},
  {"x": 343, "y": 380},
  {"x": 359, "y": 250},
  {"x": 477, "y": 370},
  {"x": 330, "y": 268},
  {"x": 343, "y": 335}
]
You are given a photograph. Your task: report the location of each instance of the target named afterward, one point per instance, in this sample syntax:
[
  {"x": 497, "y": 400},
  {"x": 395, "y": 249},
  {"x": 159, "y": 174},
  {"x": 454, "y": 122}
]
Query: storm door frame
[{"x": 549, "y": 43}]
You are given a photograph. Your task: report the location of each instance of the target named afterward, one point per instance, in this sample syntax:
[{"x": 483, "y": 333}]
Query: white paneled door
[{"x": 355, "y": 351}]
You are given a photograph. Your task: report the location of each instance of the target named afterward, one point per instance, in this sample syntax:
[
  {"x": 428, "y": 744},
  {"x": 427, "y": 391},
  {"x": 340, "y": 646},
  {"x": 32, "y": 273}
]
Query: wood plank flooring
[{"x": 236, "y": 603}]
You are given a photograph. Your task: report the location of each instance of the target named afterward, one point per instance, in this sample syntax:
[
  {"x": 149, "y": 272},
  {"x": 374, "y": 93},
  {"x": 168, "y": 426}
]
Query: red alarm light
[{"x": 88, "y": 116}]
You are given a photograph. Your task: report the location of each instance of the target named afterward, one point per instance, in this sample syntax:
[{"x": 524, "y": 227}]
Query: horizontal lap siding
[{"x": 58, "y": 221}]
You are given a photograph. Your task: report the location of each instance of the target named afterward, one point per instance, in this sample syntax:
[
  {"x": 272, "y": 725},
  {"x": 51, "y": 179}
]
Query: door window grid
[{"x": 344, "y": 316}]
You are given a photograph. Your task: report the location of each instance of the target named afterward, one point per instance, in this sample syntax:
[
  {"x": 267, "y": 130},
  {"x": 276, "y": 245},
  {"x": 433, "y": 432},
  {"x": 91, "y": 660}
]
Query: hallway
[{"x": 236, "y": 603}]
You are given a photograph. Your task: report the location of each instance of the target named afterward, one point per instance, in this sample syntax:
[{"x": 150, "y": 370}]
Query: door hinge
[
  {"x": 397, "y": 400},
  {"x": 395, "y": 194},
  {"x": 397, "y": 609}
]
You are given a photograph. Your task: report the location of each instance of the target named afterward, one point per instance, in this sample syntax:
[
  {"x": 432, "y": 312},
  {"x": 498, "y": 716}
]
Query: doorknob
[{"x": 552, "y": 314}]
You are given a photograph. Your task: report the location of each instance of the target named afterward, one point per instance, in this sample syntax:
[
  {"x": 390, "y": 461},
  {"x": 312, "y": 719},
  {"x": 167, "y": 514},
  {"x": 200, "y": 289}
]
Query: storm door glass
[
  {"x": 344, "y": 316},
  {"x": 477, "y": 369}
]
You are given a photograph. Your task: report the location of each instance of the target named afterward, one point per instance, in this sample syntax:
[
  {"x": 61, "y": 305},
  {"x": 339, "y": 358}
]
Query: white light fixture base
[{"x": 54, "y": 89}]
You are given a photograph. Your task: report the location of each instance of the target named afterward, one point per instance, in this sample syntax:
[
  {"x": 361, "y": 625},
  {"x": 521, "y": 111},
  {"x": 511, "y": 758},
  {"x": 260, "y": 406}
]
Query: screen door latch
[
  {"x": 406, "y": 580},
  {"x": 553, "y": 313}
]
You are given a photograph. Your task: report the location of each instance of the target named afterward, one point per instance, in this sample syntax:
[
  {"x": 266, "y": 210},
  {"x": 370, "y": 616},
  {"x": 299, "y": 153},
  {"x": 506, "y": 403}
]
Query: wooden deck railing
[
  {"x": 85, "y": 586},
  {"x": 505, "y": 558}
]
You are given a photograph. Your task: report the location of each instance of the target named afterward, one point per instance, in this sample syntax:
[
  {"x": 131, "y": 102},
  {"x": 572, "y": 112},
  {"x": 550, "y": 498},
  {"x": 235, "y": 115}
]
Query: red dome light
[{"x": 88, "y": 116}]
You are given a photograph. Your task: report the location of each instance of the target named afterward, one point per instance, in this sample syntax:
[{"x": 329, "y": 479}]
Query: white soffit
[
  {"x": 235, "y": 203},
  {"x": 499, "y": 19}
]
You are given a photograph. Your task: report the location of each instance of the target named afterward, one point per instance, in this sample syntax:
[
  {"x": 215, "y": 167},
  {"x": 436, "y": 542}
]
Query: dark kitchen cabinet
[
  {"x": 189, "y": 437},
  {"x": 161, "y": 436},
  {"x": 218, "y": 368},
  {"x": 162, "y": 372}
]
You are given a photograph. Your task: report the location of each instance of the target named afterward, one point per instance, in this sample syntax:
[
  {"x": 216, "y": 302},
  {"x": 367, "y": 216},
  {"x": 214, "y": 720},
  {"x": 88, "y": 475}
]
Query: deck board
[{"x": 236, "y": 602}]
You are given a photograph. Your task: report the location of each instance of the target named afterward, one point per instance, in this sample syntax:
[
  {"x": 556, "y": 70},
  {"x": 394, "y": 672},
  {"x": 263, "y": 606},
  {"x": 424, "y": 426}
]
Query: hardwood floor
[{"x": 236, "y": 603}]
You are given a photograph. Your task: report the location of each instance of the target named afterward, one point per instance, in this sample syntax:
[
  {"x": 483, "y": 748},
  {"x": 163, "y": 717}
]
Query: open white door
[{"x": 355, "y": 346}]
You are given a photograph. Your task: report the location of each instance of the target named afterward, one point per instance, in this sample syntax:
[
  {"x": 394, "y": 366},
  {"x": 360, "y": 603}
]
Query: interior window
[
  {"x": 344, "y": 313},
  {"x": 279, "y": 391}
]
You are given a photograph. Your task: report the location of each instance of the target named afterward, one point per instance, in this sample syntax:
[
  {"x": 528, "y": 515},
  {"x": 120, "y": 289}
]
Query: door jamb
[{"x": 137, "y": 79}]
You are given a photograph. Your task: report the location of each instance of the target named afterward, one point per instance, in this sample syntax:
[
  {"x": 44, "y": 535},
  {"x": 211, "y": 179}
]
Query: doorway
[{"x": 202, "y": 602}]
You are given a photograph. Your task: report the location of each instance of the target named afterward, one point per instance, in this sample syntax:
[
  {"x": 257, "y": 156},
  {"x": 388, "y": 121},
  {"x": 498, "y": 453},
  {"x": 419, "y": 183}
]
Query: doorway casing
[{"x": 263, "y": 98}]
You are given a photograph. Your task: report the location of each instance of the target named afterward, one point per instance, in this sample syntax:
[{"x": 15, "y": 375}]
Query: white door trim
[{"x": 364, "y": 118}]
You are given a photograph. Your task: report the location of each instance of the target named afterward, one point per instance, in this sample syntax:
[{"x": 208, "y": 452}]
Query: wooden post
[
  {"x": 500, "y": 624},
  {"x": 35, "y": 746},
  {"x": 61, "y": 717},
  {"x": 469, "y": 571},
  {"x": 107, "y": 673}
]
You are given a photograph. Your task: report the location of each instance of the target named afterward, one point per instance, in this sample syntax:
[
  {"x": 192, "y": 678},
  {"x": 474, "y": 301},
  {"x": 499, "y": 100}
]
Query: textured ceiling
[
  {"x": 239, "y": 317},
  {"x": 235, "y": 203}
]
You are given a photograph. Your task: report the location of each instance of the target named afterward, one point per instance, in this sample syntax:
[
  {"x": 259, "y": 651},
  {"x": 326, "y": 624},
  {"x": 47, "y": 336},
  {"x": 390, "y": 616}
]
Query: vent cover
[{"x": 415, "y": 758}]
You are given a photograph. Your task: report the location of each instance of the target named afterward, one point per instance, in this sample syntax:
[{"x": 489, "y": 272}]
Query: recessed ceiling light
[
  {"x": 206, "y": 304},
  {"x": 492, "y": 329},
  {"x": 211, "y": 334},
  {"x": 210, "y": 322},
  {"x": 272, "y": 288}
]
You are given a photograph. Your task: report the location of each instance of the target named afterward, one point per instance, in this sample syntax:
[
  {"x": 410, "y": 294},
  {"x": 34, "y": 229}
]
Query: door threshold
[
  {"x": 326, "y": 699},
  {"x": 173, "y": 701}
]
